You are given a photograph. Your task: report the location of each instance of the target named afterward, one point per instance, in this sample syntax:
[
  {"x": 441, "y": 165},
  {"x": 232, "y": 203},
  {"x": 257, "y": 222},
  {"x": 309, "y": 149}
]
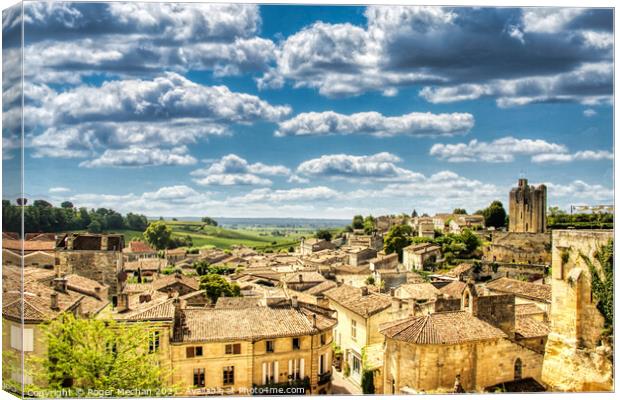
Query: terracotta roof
[
  {"x": 83, "y": 285},
  {"x": 29, "y": 245},
  {"x": 441, "y": 328},
  {"x": 161, "y": 309},
  {"x": 37, "y": 303},
  {"x": 136, "y": 246},
  {"x": 293, "y": 277},
  {"x": 352, "y": 299},
  {"x": 167, "y": 280},
  {"x": 175, "y": 252},
  {"x": 238, "y": 302},
  {"x": 349, "y": 269},
  {"x": 418, "y": 291},
  {"x": 528, "y": 327},
  {"x": 454, "y": 289},
  {"x": 459, "y": 269},
  {"x": 146, "y": 264},
  {"x": 528, "y": 309},
  {"x": 529, "y": 290},
  {"x": 256, "y": 323},
  {"x": 321, "y": 287}
]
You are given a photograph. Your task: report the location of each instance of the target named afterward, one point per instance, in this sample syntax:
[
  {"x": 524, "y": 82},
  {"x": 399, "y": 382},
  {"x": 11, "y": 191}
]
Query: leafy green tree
[
  {"x": 93, "y": 354},
  {"x": 136, "y": 222},
  {"x": 602, "y": 272},
  {"x": 158, "y": 234},
  {"x": 369, "y": 224},
  {"x": 66, "y": 204},
  {"x": 459, "y": 211},
  {"x": 397, "y": 238},
  {"x": 494, "y": 214},
  {"x": 370, "y": 280},
  {"x": 323, "y": 234},
  {"x": 42, "y": 204},
  {"x": 358, "y": 222},
  {"x": 216, "y": 286},
  {"x": 470, "y": 240},
  {"x": 209, "y": 221},
  {"x": 94, "y": 227}
]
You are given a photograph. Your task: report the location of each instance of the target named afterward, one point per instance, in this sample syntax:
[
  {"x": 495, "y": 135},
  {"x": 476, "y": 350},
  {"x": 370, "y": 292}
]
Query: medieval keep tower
[{"x": 528, "y": 208}]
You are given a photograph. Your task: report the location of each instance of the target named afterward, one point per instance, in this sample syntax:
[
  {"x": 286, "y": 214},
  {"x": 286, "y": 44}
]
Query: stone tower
[{"x": 528, "y": 208}]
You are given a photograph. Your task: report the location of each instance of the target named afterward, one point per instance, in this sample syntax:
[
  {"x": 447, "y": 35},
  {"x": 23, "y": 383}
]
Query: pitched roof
[
  {"x": 459, "y": 269},
  {"x": 352, "y": 299},
  {"x": 528, "y": 327},
  {"x": 529, "y": 290},
  {"x": 254, "y": 323},
  {"x": 454, "y": 289},
  {"x": 168, "y": 280},
  {"x": 451, "y": 327},
  {"x": 29, "y": 245},
  {"x": 136, "y": 246},
  {"x": 238, "y": 302},
  {"x": 418, "y": 291},
  {"x": 311, "y": 276},
  {"x": 321, "y": 287},
  {"x": 37, "y": 305},
  {"x": 421, "y": 248},
  {"x": 161, "y": 309},
  {"x": 528, "y": 309}
]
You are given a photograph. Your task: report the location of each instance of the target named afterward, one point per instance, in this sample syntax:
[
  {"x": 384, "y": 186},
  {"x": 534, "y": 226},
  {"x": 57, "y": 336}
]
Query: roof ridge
[{"x": 426, "y": 318}]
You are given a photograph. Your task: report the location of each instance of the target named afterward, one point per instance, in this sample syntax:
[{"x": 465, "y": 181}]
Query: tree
[
  {"x": 158, "y": 235},
  {"x": 216, "y": 286},
  {"x": 370, "y": 280},
  {"x": 470, "y": 240},
  {"x": 603, "y": 282},
  {"x": 414, "y": 213},
  {"x": 397, "y": 238},
  {"x": 94, "y": 227},
  {"x": 136, "y": 222},
  {"x": 369, "y": 224},
  {"x": 323, "y": 234},
  {"x": 494, "y": 214},
  {"x": 459, "y": 211},
  {"x": 93, "y": 354},
  {"x": 66, "y": 204},
  {"x": 358, "y": 222},
  {"x": 209, "y": 221},
  {"x": 42, "y": 204}
]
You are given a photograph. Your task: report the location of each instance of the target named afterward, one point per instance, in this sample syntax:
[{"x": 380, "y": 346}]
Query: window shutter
[
  {"x": 276, "y": 371},
  {"x": 264, "y": 373},
  {"x": 16, "y": 337},
  {"x": 237, "y": 348},
  {"x": 189, "y": 352},
  {"x": 28, "y": 339},
  {"x": 290, "y": 368},
  {"x": 301, "y": 368}
]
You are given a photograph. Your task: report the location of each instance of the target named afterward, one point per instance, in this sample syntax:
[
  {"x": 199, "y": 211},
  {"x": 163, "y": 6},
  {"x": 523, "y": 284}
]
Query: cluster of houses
[{"x": 342, "y": 309}]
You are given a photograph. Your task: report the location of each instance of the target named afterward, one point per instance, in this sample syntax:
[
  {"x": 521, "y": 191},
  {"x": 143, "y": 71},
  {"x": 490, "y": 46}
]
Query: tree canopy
[
  {"x": 494, "y": 215},
  {"x": 358, "y": 222},
  {"x": 209, "y": 221},
  {"x": 216, "y": 286},
  {"x": 323, "y": 234},
  {"x": 397, "y": 238},
  {"x": 158, "y": 235},
  {"x": 459, "y": 211}
]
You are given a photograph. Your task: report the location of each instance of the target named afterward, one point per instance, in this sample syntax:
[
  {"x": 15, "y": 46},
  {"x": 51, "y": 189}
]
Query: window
[
  {"x": 233, "y": 348},
  {"x": 269, "y": 346},
  {"x": 229, "y": 375},
  {"x": 353, "y": 329},
  {"x": 322, "y": 360},
  {"x": 153, "y": 341},
  {"x": 193, "y": 351},
  {"x": 323, "y": 338},
  {"x": 357, "y": 365},
  {"x": 199, "y": 377},
  {"x": 296, "y": 345},
  {"x": 22, "y": 339}
]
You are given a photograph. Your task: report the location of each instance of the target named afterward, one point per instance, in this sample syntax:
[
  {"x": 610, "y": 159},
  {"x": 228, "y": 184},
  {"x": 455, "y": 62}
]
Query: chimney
[
  {"x": 145, "y": 297},
  {"x": 123, "y": 302},
  {"x": 314, "y": 320},
  {"x": 60, "y": 284},
  {"x": 294, "y": 302},
  {"x": 364, "y": 290},
  {"x": 54, "y": 301},
  {"x": 392, "y": 291},
  {"x": 301, "y": 278}
]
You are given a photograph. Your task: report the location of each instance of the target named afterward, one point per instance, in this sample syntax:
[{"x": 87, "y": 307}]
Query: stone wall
[
  {"x": 100, "y": 266},
  {"x": 497, "y": 310},
  {"x": 574, "y": 358},
  {"x": 518, "y": 247}
]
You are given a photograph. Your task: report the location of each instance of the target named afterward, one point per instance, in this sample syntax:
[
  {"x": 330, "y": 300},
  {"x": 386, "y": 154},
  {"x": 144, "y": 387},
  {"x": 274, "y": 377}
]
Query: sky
[{"x": 308, "y": 111}]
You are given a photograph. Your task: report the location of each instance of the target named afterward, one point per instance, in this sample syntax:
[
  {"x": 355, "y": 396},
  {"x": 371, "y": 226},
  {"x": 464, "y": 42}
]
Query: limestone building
[
  {"x": 528, "y": 208},
  {"x": 575, "y": 358}
]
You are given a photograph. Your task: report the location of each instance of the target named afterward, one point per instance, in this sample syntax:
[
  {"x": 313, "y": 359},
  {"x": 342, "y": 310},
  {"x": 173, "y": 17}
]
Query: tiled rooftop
[
  {"x": 529, "y": 290},
  {"x": 352, "y": 299}
]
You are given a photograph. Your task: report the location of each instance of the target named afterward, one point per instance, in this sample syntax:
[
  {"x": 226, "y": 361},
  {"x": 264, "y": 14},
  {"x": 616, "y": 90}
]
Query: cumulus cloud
[
  {"x": 545, "y": 54},
  {"x": 376, "y": 124},
  {"x": 589, "y": 112},
  {"x": 578, "y": 190},
  {"x": 119, "y": 116},
  {"x": 380, "y": 167},
  {"x": 140, "y": 156},
  {"x": 507, "y": 148},
  {"x": 140, "y": 38},
  {"x": 59, "y": 189},
  {"x": 233, "y": 170},
  {"x": 586, "y": 155},
  {"x": 310, "y": 194}
]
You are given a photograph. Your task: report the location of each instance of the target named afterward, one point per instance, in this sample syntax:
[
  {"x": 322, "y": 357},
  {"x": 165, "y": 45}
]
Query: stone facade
[
  {"x": 528, "y": 208},
  {"x": 100, "y": 266},
  {"x": 574, "y": 358},
  {"x": 517, "y": 247}
]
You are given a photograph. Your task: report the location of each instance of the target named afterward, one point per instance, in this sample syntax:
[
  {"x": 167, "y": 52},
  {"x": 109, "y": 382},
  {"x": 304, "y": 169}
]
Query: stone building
[
  {"x": 373, "y": 241},
  {"x": 416, "y": 255},
  {"x": 475, "y": 345},
  {"x": 575, "y": 358},
  {"x": 528, "y": 208},
  {"x": 97, "y": 257},
  {"x": 519, "y": 248},
  {"x": 313, "y": 245}
]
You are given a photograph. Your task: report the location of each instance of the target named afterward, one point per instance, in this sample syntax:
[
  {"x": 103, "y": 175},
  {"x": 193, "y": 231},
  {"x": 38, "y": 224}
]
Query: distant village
[{"x": 404, "y": 305}]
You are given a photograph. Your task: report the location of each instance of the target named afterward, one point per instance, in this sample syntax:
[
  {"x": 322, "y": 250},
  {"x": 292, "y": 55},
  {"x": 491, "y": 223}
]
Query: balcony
[{"x": 325, "y": 377}]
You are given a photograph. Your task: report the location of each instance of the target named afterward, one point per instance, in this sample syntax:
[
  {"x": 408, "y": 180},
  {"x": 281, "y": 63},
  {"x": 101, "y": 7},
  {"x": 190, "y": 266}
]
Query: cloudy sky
[{"x": 297, "y": 111}]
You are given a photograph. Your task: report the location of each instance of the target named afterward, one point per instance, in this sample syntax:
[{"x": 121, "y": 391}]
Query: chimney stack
[
  {"x": 54, "y": 301},
  {"x": 301, "y": 278},
  {"x": 294, "y": 302},
  {"x": 364, "y": 290},
  {"x": 60, "y": 284},
  {"x": 314, "y": 320},
  {"x": 392, "y": 291},
  {"x": 123, "y": 302}
]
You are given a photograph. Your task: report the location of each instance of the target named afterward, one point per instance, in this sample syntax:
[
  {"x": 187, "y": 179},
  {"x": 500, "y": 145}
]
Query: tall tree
[
  {"x": 216, "y": 286},
  {"x": 158, "y": 235},
  {"x": 459, "y": 211},
  {"x": 323, "y": 234},
  {"x": 397, "y": 238},
  {"x": 494, "y": 214},
  {"x": 98, "y": 355},
  {"x": 358, "y": 222}
]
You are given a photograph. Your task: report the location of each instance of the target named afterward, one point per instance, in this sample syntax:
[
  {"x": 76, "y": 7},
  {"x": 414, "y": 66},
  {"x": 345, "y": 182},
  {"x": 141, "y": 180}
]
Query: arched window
[{"x": 518, "y": 369}]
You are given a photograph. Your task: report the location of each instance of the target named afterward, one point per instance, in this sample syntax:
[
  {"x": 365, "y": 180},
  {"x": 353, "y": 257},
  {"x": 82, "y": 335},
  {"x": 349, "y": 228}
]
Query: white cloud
[
  {"x": 376, "y": 124},
  {"x": 589, "y": 113},
  {"x": 586, "y": 155},
  {"x": 233, "y": 170},
  {"x": 578, "y": 190},
  {"x": 378, "y": 167},
  {"x": 548, "y": 20},
  {"x": 140, "y": 156},
  {"x": 499, "y": 150},
  {"x": 59, "y": 189},
  {"x": 310, "y": 194}
]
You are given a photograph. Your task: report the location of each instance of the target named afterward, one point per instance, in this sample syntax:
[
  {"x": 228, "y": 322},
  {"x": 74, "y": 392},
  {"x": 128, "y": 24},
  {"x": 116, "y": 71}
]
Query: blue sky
[{"x": 297, "y": 111}]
